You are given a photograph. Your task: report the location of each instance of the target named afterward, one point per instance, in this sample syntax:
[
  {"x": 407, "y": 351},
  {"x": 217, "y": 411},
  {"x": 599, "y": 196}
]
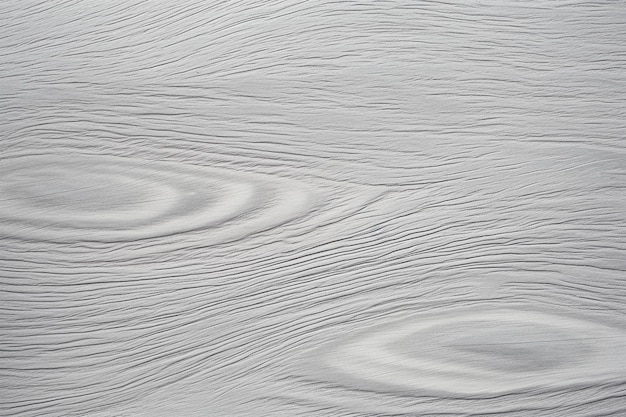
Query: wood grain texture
[{"x": 312, "y": 208}]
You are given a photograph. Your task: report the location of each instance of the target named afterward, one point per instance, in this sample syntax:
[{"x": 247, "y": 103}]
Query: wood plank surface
[{"x": 312, "y": 208}]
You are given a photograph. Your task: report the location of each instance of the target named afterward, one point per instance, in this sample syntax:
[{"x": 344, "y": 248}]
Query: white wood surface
[{"x": 312, "y": 208}]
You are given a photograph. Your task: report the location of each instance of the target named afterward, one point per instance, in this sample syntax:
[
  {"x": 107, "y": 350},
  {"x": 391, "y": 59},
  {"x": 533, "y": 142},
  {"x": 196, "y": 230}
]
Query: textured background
[{"x": 312, "y": 208}]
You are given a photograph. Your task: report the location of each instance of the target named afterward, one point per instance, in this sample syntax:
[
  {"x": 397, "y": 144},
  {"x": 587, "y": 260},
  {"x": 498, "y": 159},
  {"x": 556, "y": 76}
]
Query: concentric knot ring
[
  {"x": 93, "y": 198},
  {"x": 488, "y": 352}
]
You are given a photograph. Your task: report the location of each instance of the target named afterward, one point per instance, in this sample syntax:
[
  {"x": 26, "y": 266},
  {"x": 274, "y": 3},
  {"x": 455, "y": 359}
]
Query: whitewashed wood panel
[{"x": 312, "y": 208}]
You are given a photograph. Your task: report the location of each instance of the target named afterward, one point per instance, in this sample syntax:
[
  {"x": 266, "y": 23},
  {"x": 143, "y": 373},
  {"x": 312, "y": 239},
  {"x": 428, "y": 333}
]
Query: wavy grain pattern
[{"x": 312, "y": 208}]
